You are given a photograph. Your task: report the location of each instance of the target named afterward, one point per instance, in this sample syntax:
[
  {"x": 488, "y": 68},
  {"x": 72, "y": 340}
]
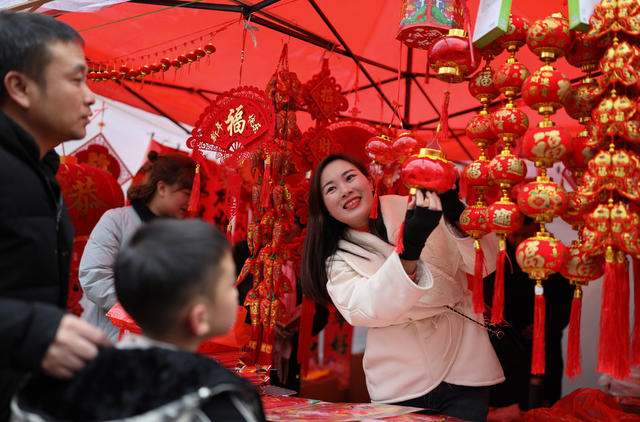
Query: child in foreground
[{"x": 176, "y": 280}]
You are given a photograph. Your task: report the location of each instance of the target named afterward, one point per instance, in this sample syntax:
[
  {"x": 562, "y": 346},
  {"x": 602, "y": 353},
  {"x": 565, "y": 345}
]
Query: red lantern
[
  {"x": 546, "y": 90},
  {"x": 209, "y": 48},
  {"x": 378, "y": 148},
  {"x": 404, "y": 146},
  {"x": 480, "y": 131},
  {"x": 98, "y": 156},
  {"x": 481, "y": 86},
  {"x": 516, "y": 35},
  {"x": 504, "y": 217},
  {"x": 476, "y": 174},
  {"x": 579, "y": 155},
  {"x": 510, "y": 77},
  {"x": 451, "y": 58},
  {"x": 429, "y": 170},
  {"x": 549, "y": 38},
  {"x": 509, "y": 123},
  {"x": 542, "y": 200},
  {"x": 581, "y": 267},
  {"x": 584, "y": 52},
  {"x": 582, "y": 98},
  {"x": 577, "y": 207},
  {"x": 506, "y": 169},
  {"x": 473, "y": 220},
  {"x": 546, "y": 145},
  {"x": 541, "y": 255},
  {"x": 165, "y": 64}
]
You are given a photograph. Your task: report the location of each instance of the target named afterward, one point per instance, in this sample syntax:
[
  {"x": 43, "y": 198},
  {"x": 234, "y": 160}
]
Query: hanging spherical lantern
[
  {"x": 481, "y": 86},
  {"x": 404, "y": 146},
  {"x": 546, "y": 90},
  {"x": 579, "y": 155},
  {"x": 584, "y": 52},
  {"x": 473, "y": 220},
  {"x": 541, "y": 255},
  {"x": 476, "y": 174},
  {"x": 583, "y": 97},
  {"x": 506, "y": 169},
  {"x": 510, "y": 77},
  {"x": 549, "y": 38},
  {"x": 480, "y": 131},
  {"x": 378, "y": 148},
  {"x": 516, "y": 35},
  {"x": 581, "y": 267},
  {"x": 504, "y": 217},
  {"x": 429, "y": 170},
  {"x": 509, "y": 123},
  {"x": 545, "y": 145},
  {"x": 577, "y": 207},
  {"x": 542, "y": 200},
  {"x": 451, "y": 59}
]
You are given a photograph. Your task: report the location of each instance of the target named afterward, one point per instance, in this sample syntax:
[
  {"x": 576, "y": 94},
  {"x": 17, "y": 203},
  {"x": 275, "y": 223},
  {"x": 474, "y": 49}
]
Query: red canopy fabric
[{"x": 133, "y": 34}]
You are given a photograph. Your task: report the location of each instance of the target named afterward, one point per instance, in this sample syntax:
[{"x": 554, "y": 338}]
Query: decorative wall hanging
[{"x": 323, "y": 95}]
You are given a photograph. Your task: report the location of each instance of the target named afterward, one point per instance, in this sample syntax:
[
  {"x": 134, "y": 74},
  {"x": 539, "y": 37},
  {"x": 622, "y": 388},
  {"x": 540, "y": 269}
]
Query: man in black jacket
[{"x": 44, "y": 100}]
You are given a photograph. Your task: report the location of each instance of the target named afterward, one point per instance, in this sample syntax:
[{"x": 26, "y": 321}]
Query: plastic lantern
[
  {"x": 450, "y": 57},
  {"x": 545, "y": 145},
  {"x": 404, "y": 146},
  {"x": 506, "y": 169},
  {"x": 476, "y": 175},
  {"x": 429, "y": 170},
  {"x": 542, "y": 200},
  {"x": 546, "y": 90},
  {"x": 549, "y": 38}
]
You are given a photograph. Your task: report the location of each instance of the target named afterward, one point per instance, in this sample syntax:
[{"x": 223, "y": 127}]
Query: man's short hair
[
  {"x": 163, "y": 267},
  {"x": 24, "y": 44}
]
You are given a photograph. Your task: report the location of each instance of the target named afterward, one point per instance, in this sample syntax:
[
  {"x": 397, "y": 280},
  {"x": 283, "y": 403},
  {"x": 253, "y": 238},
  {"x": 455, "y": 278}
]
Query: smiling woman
[{"x": 164, "y": 192}]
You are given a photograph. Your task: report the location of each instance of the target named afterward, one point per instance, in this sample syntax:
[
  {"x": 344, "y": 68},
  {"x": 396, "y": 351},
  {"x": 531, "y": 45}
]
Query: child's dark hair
[
  {"x": 163, "y": 267},
  {"x": 170, "y": 168}
]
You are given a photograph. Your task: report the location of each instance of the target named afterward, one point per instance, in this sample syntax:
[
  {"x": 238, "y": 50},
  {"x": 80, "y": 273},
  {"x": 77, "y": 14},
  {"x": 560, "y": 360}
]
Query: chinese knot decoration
[
  {"x": 324, "y": 96},
  {"x": 236, "y": 121}
]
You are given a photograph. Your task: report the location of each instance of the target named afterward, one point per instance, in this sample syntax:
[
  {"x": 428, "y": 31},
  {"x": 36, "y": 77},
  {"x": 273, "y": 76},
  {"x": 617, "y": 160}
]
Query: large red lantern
[
  {"x": 546, "y": 90},
  {"x": 510, "y": 77},
  {"x": 542, "y": 200},
  {"x": 473, "y": 220},
  {"x": 509, "y": 123},
  {"x": 546, "y": 145},
  {"x": 429, "y": 170},
  {"x": 549, "y": 38},
  {"x": 480, "y": 130},
  {"x": 541, "y": 255},
  {"x": 451, "y": 58},
  {"x": 516, "y": 35},
  {"x": 481, "y": 86}
]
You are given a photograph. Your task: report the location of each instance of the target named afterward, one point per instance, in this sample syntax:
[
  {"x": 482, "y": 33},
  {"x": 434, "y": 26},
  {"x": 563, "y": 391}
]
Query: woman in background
[
  {"x": 425, "y": 347},
  {"x": 164, "y": 192}
]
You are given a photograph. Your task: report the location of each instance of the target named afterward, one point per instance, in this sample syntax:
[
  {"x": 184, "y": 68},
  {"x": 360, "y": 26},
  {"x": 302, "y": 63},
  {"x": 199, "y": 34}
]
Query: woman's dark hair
[
  {"x": 169, "y": 168},
  {"x": 324, "y": 232},
  {"x": 163, "y": 267}
]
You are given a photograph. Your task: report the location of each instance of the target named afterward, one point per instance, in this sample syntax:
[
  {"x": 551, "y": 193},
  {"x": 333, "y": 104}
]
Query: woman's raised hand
[{"x": 423, "y": 216}]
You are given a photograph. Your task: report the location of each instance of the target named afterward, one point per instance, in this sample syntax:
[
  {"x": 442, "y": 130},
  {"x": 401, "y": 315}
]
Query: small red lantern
[
  {"x": 480, "y": 131},
  {"x": 509, "y": 123},
  {"x": 541, "y": 255},
  {"x": 581, "y": 267},
  {"x": 579, "y": 155},
  {"x": 476, "y": 174},
  {"x": 546, "y": 90},
  {"x": 481, "y": 86},
  {"x": 404, "y": 146},
  {"x": 200, "y": 53},
  {"x": 124, "y": 69},
  {"x": 516, "y": 35},
  {"x": 451, "y": 58},
  {"x": 191, "y": 56},
  {"x": 542, "y": 200},
  {"x": 510, "y": 77},
  {"x": 429, "y": 170},
  {"x": 378, "y": 148},
  {"x": 549, "y": 38},
  {"x": 182, "y": 58},
  {"x": 504, "y": 217},
  {"x": 165, "y": 64},
  {"x": 583, "y": 97},
  {"x": 506, "y": 169},
  {"x": 584, "y": 52},
  {"x": 209, "y": 48},
  {"x": 473, "y": 220},
  {"x": 545, "y": 145}
]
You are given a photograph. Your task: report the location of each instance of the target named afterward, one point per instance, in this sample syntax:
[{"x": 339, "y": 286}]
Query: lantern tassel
[
  {"x": 477, "y": 292},
  {"x": 305, "y": 335},
  {"x": 613, "y": 347},
  {"x": 373, "y": 214},
  {"x": 574, "y": 356},
  {"x": 537, "y": 354},
  {"x": 194, "y": 198},
  {"x": 497, "y": 303},
  {"x": 636, "y": 312}
]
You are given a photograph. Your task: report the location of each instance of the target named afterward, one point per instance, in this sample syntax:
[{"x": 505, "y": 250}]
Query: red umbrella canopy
[{"x": 134, "y": 34}]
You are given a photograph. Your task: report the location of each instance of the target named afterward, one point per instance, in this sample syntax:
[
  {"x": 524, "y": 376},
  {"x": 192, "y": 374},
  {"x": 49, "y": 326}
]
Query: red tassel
[
  {"x": 635, "y": 356},
  {"x": 373, "y": 214},
  {"x": 537, "y": 354},
  {"x": 194, "y": 199},
  {"x": 574, "y": 356},
  {"x": 305, "y": 334},
  {"x": 265, "y": 193},
  {"x": 614, "y": 347},
  {"x": 478, "y": 286},
  {"x": 497, "y": 303}
]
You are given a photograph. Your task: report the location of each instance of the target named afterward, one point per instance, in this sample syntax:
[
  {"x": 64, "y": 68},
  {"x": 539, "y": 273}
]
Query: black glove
[
  {"x": 452, "y": 206},
  {"x": 418, "y": 225}
]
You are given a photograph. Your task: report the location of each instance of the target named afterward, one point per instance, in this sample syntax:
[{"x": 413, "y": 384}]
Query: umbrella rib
[
  {"x": 350, "y": 54},
  {"x": 407, "y": 86},
  {"x": 153, "y": 106}
]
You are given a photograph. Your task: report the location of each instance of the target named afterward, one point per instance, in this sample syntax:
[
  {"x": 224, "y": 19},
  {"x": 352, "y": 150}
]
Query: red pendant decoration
[
  {"x": 546, "y": 145},
  {"x": 450, "y": 57},
  {"x": 284, "y": 88},
  {"x": 324, "y": 96},
  {"x": 429, "y": 170},
  {"x": 549, "y": 38},
  {"x": 542, "y": 200}
]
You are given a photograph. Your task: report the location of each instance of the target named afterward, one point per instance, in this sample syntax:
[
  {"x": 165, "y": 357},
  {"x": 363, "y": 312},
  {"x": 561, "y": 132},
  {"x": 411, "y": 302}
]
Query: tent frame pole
[{"x": 153, "y": 106}]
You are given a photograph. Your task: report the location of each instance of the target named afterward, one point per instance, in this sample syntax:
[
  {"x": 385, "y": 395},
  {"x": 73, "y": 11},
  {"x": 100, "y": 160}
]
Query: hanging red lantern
[
  {"x": 583, "y": 97},
  {"x": 549, "y": 38},
  {"x": 577, "y": 207},
  {"x": 476, "y": 174},
  {"x": 473, "y": 220},
  {"x": 209, "y": 48},
  {"x": 481, "y": 86},
  {"x": 542, "y": 200},
  {"x": 507, "y": 169},
  {"x": 378, "y": 148},
  {"x": 584, "y": 52},
  {"x": 581, "y": 267},
  {"x": 480, "y": 131},
  {"x": 579, "y": 155},
  {"x": 429, "y": 170},
  {"x": 504, "y": 217},
  {"x": 541, "y": 255},
  {"x": 546, "y": 90},
  {"x": 545, "y": 145},
  {"x": 510, "y": 77},
  {"x": 509, "y": 123},
  {"x": 516, "y": 35},
  {"x": 404, "y": 146},
  {"x": 450, "y": 57}
]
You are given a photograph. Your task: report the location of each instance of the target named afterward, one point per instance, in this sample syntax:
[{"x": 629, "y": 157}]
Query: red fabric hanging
[
  {"x": 305, "y": 335},
  {"x": 635, "y": 350}
]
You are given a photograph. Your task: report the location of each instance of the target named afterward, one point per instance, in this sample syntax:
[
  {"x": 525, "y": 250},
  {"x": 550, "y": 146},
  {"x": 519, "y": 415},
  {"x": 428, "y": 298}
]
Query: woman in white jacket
[
  {"x": 164, "y": 192},
  {"x": 425, "y": 347}
]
